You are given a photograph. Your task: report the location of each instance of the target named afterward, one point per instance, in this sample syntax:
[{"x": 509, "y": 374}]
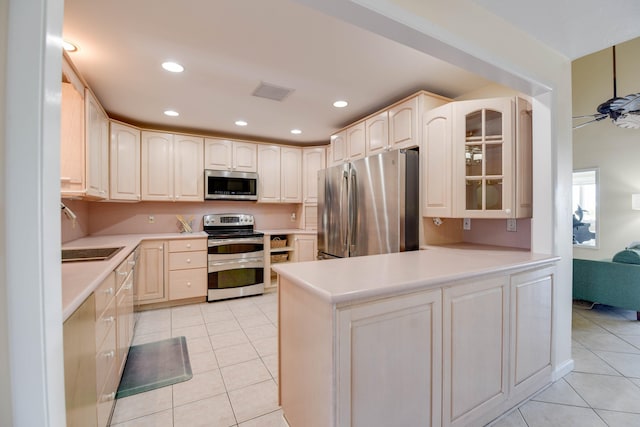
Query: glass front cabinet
[{"x": 492, "y": 158}]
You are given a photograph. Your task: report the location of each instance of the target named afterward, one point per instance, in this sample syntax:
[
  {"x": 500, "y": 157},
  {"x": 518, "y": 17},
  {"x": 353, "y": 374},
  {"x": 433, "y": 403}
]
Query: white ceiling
[{"x": 228, "y": 47}]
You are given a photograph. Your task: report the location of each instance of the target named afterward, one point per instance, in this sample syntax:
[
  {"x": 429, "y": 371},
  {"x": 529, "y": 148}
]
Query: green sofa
[{"x": 615, "y": 282}]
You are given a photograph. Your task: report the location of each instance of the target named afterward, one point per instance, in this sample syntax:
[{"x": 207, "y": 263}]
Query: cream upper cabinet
[
  {"x": 486, "y": 149},
  {"x": 124, "y": 162},
  {"x": 436, "y": 162},
  {"x": 97, "y": 146},
  {"x": 280, "y": 174},
  {"x": 290, "y": 174},
  {"x": 403, "y": 124},
  {"x": 72, "y": 148},
  {"x": 188, "y": 168},
  {"x": 313, "y": 160},
  {"x": 269, "y": 173},
  {"x": 377, "y": 133},
  {"x": 338, "y": 151},
  {"x": 356, "y": 141},
  {"x": 172, "y": 168},
  {"x": 224, "y": 154},
  {"x": 157, "y": 166}
]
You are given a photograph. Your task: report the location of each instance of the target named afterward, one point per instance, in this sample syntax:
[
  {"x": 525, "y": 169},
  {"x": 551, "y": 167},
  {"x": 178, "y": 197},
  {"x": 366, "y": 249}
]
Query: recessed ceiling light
[
  {"x": 68, "y": 46},
  {"x": 340, "y": 104},
  {"x": 174, "y": 67},
  {"x": 171, "y": 113},
  {"x": 241, "y": 123},
  {"x": 296, "y": 131}
]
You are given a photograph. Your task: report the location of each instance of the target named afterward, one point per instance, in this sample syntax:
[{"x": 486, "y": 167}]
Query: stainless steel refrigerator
[{"x": 369, "y": 206}]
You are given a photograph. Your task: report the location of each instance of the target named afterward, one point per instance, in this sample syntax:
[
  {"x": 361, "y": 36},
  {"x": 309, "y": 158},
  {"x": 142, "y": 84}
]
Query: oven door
[{"x": 234, "y": 248}]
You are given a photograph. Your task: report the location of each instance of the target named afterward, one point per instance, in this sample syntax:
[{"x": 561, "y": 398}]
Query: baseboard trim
[{"x": 563, "y": 369}]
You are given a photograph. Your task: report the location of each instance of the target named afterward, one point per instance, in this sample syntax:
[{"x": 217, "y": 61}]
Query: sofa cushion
[{"x": 627, "y": 256}]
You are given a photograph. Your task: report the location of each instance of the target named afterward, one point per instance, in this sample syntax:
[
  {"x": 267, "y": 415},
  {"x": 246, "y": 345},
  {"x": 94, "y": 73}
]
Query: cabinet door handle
[
  {"x": 122, "y": 273},
  {"x": 107, "y": 397},
  {"x": 131, "y": 262},
  {"x": 109, "y": 354},
  {"x": 109, "y": 291},
  {"x": 109, "y": 319}
]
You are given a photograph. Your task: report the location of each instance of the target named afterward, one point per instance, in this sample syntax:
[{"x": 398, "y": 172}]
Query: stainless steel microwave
[{"x": 227, "y": 185}]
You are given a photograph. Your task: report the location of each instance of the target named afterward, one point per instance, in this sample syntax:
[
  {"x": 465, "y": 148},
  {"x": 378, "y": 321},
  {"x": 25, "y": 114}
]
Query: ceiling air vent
[{"x": 273, "y": 92}]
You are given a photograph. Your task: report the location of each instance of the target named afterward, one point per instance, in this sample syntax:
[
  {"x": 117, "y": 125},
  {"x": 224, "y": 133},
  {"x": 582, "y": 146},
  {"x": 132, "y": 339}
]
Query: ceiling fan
[{"x": 624, "y": 112}]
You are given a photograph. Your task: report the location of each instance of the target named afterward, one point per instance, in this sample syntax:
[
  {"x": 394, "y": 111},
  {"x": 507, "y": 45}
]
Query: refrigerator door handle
[
  {"x": 353, "y": 210},
  {"x": 344, "y": 212}
]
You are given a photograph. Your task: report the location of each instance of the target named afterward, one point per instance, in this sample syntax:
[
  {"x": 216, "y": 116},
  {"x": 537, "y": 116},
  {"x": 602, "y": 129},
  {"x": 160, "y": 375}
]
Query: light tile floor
[
  {"x": 233, "y": 350},
  {"x": 604, "y": 387}
]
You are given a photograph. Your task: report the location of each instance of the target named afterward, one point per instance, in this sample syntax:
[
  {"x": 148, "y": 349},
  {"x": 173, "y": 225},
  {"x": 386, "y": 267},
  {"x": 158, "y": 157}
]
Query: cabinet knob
[
  {"x": 507, "y": 211},
  {"x": 160, "y": 248},
  {"x": 189, "y": 284},
  {"x": 107, "y": 397},
  {"x": 109, "y": 319},
  {"x": 122, "y": 273},
  {"x": 131, "y": 262},
  {"x": 188, "y": 245},
  {"x": 109, "y": 354},
  {"x": 188, "y": 260},
  {"x": 109, "y": 291}
]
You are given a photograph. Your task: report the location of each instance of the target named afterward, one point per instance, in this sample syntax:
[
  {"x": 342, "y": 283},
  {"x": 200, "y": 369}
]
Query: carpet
[{"x": 154, "y": 365}]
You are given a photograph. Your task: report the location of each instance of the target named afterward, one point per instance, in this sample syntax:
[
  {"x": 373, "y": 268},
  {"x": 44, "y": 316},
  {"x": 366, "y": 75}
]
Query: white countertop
[
  {"x": 350, "y": 279},
  {"x": 81, "y": 278}
]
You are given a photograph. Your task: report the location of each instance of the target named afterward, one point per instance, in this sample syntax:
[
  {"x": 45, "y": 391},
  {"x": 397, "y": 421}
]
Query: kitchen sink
[{"x": 89, "y": 254}]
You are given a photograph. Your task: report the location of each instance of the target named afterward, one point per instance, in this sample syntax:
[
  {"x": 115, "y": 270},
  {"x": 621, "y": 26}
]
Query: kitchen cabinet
[
  {"x": 84, "y": 147},
  {"x": 377, "y": 133},
  {"x": 407, "y": 364},
  {"x": 531, "y": 330},
  {"x": 395, "y": 127},
  {"x": 187, "y": 268},
  {"x": 172, "y": 167},
  {"x": 313, "y": 160},
  {"x": 80, "y": 365},
  {"x": 280, "y": 171},
  {"x": 151, "y": 273},
  {"x": 475, "y": 349},
  {"x": 225, "y": 154},
  {"x": 305, "y": 247},
  {"x": 72, "y": 147},
  {"x": 291, "y": 247},
  {"x": 436, "y": 162},
  {"x": 477, "y": 157},
  {"x": 125, "y": 319},
  {"x": 459, "y": 352},
  {"x": 124, "y": 162},
  {"x": 97, "y": 148},
  {"x": 107, "y": 374},
  {"x": 492, "y": 158}
]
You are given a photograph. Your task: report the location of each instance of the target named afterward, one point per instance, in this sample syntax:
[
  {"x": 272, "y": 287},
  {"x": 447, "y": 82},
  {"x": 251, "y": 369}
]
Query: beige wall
[
  {"x": 5, "y": 388},
  {"x": 615, "y": 151}
]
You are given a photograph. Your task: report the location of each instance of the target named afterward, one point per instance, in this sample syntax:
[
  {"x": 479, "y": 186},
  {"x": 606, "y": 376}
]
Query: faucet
[{"x": 68, "y": 212}]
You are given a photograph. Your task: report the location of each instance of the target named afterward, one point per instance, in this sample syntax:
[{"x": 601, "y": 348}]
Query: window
[{"x": 585, "y": 208}]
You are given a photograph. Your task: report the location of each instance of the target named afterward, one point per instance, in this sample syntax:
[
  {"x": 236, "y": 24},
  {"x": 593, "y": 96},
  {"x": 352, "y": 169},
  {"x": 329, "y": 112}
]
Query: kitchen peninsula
[{"x": 446, "y": 336}]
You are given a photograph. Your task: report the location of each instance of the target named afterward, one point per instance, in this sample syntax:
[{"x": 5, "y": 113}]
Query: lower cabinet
[
  {"x": 151, "y": 273},
  {"x": 305, "y": 247},
  {"x": 460, "y": 354},
  {"x": 409, "y": 362},
  {"x": 294, "y": 247},
  {"x": 475, "y": 349},
  {"x": 187, "y": 269}
]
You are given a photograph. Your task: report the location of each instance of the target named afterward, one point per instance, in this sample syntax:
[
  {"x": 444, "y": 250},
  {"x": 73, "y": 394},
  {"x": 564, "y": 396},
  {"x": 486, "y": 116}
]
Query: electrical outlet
[
  {"x": 466, "y": 224},
  {"x": 511, "y": 224},
  {"x": 151, "y": 219}
]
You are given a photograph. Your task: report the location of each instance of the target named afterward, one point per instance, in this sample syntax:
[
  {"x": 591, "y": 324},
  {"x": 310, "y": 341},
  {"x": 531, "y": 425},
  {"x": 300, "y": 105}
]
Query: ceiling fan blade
[
  {"x": 628, "y": 103},
  {"x": 587, "y": 116},
  {"x": 597, "y": 119},
  {"x": 628, "y": 121}
]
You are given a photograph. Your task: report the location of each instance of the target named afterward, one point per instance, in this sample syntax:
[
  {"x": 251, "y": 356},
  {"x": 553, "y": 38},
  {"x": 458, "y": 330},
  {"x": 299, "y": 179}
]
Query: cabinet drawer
[
  {"x": 184, "y": 245},
  {"x": 105, "y": 360},
  {"x": 187, "y": 283},
  {"x": 182, "y": 260},
  {"x": 106, "y": 400},
  {"x": 105, "y": 293},
  {"x": 123, "y": 270},
  {"x": 105, "y": 322}
]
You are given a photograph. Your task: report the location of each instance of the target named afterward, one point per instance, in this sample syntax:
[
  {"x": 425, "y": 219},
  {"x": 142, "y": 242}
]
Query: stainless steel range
[{"x": 235, "y": 256}]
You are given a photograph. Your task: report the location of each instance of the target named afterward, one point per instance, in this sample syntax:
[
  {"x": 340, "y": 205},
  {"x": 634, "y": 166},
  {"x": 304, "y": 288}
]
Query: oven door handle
[
  {"x": 220, "y": 242},
  {"x": 215, "y": 266}
]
